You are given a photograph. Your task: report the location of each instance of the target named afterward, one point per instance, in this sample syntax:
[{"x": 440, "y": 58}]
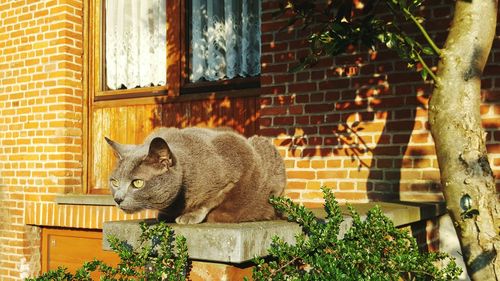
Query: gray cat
[{"x": 198, "y": 174}]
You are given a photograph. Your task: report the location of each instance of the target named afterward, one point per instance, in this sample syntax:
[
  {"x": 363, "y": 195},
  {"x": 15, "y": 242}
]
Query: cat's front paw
[{"x": 190, "y": 218}]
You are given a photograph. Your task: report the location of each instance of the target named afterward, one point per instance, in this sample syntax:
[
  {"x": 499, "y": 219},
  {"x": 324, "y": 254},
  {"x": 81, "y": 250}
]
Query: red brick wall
[{"x": 357, "y": 123}]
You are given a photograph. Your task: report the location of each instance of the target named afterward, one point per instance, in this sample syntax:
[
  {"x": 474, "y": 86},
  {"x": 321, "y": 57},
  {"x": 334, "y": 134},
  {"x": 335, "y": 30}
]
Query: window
[
  {"x": 136, "y": 43},
  {"x": 225, "y": 39},
  {"x": 140, "y": 44},
  {"x": 168, "y": 63}
]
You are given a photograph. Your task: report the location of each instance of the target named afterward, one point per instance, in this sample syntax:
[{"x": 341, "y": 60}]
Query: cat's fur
[{"x": 198, "y": 174}]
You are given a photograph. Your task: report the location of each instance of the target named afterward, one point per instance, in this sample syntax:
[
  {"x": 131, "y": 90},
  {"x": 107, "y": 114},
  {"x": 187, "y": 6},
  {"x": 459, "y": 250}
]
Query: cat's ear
[
  {"x": 118, "y": 149},
  {"x": 160, "y": 153}
]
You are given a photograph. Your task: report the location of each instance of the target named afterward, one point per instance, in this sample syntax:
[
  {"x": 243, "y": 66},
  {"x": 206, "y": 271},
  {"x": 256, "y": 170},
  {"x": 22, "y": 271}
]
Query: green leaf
[
  {"x": 428, "y": 51},
  {"x": 424, "y": 74},
  {"x": 410, "y": 41},
  {"x": 372, "y": 249}
]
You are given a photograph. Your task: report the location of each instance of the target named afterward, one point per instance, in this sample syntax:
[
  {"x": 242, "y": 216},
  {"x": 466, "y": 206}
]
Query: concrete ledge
[
  {"x": 238, "y": 243},
  {"x": 232, "y": 243},
  {"x": 85, "y": 199}
]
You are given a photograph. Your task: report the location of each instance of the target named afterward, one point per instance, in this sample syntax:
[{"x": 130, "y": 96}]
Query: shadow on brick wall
[{"x": 369, "y": 122}]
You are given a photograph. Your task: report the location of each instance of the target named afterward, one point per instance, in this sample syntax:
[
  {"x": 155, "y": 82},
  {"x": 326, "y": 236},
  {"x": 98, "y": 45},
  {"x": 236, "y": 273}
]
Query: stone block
[
  {"x": 240, "y": 242},
  {"x": 230, "y": 243}
]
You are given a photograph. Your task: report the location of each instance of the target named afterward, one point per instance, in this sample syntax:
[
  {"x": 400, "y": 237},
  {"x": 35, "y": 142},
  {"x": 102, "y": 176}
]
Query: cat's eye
[
  {"x": 138, "y": 183},
  {"x": 114, "y": 182}
]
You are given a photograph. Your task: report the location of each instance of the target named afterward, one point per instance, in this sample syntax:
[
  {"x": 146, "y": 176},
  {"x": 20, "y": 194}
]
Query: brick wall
[
  {"x": 357, "y": 123},
  {"x": 41, "y": 109},
  {"x": 41, "y": 129}
]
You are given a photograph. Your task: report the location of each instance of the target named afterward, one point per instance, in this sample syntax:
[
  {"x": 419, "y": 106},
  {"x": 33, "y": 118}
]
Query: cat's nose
[{"x": 118, "y": 200}]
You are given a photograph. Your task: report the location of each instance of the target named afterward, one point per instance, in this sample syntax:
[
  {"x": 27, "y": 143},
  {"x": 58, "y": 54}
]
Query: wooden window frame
[
  {"x": 176, "y": 71},
  {"x": 174, "y": 53}
]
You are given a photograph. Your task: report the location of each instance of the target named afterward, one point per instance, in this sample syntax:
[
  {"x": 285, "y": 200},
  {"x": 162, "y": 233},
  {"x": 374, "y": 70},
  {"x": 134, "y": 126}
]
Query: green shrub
[
  {"x": 155, "y": 259},
  {"x": 372, "y": 249}
]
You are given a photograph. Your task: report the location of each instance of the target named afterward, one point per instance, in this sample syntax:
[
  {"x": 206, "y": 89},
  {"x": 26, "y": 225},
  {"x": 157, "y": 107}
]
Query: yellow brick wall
[
  {"x": 41, "y": 129},
  {"x": 41, "y": 113}
]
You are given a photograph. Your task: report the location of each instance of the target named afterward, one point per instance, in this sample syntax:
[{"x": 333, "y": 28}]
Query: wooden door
[
  {"x": 71, "y": 248},
  {"x": 130, "y": 121}
]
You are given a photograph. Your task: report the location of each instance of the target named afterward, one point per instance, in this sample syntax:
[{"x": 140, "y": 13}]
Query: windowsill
[
  {"x": 144, "y": 99},
  {"x": 190, "y": 91},
  {"x": 85, "y": 199},
  {"x": 241, "y": 242},
  {"x": 241, "y": 83}
]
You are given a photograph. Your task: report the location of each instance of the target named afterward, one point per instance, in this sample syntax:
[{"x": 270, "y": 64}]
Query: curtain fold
[
  {"x": 135, "y": 43},
  {"x": 225, "y": 39}
]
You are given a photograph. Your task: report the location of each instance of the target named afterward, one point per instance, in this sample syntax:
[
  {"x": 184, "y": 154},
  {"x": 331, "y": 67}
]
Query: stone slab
[
  {"x": 85, "y": 199},
  {"x": 238, "y": 243},
  {"x": 231, "y": 243}
]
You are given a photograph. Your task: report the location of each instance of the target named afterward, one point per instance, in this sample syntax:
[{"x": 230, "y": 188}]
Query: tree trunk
[{"x": 460, "y": 139}]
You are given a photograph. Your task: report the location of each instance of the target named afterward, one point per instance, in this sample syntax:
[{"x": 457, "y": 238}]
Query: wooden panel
[
  {"x": 130, "y": 124},
  {"x": 251, "y": 117},
  {"x": 132, "y": 132},
  {"x": 175, "y": 114},
  {"x": 97, "y": 153},
  {"x": 127, "y": 124},
  {"x": 71, "y": 248},
  {"x": 239, "y": 114}
]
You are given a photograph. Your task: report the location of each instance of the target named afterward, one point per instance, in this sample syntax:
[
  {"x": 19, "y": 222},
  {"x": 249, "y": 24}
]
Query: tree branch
[
  {"x": 424, "y": 32},
  {"x": 426, "y": 67}
]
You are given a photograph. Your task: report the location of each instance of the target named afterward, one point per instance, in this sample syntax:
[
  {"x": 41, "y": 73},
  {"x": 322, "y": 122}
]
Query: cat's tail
[{"x": 273, "y": 164}]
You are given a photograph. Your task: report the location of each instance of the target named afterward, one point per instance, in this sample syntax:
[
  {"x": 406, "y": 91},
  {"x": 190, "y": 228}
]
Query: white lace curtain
[
  {"x": 225, "y": 39},
  {"x": 135, "y": 43}
]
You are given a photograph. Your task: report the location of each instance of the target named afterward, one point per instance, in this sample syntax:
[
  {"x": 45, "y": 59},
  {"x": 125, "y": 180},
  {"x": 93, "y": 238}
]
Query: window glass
[
  {"x": 225, "y": 39},
  {"x": 135, "y": 40}
]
